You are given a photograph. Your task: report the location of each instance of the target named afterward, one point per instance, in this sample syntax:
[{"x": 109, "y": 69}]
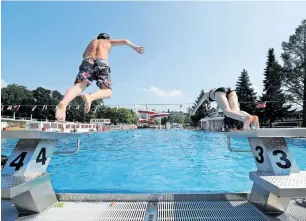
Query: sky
[{"x": 189, "y": 46}]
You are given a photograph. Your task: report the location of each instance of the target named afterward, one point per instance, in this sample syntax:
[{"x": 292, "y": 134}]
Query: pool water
[{"x": 155, "y": 161}]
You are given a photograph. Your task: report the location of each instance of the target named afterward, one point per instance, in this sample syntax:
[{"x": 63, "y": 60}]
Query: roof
[{"x": 212, "y": 118}]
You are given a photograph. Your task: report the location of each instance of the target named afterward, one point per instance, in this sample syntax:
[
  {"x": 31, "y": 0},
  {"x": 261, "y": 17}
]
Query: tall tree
[
  {"x": 176, "y": 117},
  {"x": 14, "y": 94},
  {"x": 202, "y": 111},
  {"x": 20, "y": 95},
  {"x": 246, "y": 94},
  {"x": 294, "y": 58},
  {"x": 42, "y": 96},
  {"x": 275, "y": 107}
]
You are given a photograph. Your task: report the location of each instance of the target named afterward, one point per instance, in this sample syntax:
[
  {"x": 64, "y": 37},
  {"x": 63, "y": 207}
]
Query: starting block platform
[
  {"x": 278, "y": 178},
  {"x": 293, "y": 185},
  {"x": 269, "y": 132},
  {"x": 27, "y": 192},
  {"x": 36, "y": 135}
]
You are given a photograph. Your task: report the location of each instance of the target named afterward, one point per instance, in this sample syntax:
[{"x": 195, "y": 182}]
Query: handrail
[
  {"x": 232, "y": 150},
  {"x": 70, "y": 152},
  {"x": 301, "y": 202}
]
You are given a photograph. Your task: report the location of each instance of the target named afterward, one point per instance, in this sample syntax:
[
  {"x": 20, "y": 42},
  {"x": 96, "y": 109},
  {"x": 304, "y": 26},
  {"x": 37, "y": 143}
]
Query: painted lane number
[
  {"x": 42, "y": 156},
  {"x": 260, "y": 158},
  {"x": 283, "y": 158},
  {"x": 18, "y": 162},
  {"x": 260, "y": 152}
]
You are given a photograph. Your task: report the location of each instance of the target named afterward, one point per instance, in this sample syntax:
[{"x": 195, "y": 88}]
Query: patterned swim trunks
[{"x": 95, "y": 69}]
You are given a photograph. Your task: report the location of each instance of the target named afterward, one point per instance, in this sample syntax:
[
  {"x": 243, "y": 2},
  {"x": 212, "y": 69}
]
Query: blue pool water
[{"x": 153, "y": 161}]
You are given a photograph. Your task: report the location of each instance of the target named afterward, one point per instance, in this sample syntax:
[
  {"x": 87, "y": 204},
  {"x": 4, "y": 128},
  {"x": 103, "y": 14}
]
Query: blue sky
[{"x": 189, "y": 46}]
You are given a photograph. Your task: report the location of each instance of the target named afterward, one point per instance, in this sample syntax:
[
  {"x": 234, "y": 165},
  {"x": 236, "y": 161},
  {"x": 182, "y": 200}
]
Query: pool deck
[{"x": 161, "y": 207}]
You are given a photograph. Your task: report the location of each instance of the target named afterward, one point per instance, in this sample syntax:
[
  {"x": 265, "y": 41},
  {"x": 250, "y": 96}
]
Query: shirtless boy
[
  {"x": 93, "y": 67},
  {"x": 227, "y": 101}
]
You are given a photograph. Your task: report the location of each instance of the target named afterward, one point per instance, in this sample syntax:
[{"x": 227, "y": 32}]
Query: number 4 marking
[
  {"x": 42, "y": 156},
  {"x": 18, "y": 162}
]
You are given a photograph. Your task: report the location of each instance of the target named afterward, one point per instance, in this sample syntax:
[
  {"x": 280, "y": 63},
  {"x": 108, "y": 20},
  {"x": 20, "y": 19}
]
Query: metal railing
[
  {"x": 70, "y": 152},
  {"x": 232, "y": 150}
]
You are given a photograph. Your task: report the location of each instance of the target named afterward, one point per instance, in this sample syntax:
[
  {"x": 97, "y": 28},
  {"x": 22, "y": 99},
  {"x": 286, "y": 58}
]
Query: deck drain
[
  {"x": 151, "y": 213},
  {"x": 150, "y": 217}
]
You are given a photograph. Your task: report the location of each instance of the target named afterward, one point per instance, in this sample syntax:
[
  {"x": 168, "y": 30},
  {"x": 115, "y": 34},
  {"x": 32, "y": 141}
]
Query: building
[
  {"x": 177, "y": 126},
  {"x": 212, "y": 123},
  {"x": 100, "y": 121}
]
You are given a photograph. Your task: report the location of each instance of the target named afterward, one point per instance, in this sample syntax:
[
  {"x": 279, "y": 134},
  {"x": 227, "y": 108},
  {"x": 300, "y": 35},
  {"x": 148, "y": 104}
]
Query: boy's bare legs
[
  {"x": 233, "y": 101},
  {"x": 71, "y": 93},
  {"x": 103, "y": 93},
  {"x": 234, "y": 105},
  {"x": 224, "y": 104}
]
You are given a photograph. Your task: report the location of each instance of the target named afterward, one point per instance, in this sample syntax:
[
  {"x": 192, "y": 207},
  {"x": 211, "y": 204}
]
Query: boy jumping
[{"x": 93, "y": 67}]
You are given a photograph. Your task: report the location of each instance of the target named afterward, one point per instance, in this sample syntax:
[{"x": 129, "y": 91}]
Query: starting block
[
  {"x": 24, "y": 179},
  {"x": 278, "y": 178}
]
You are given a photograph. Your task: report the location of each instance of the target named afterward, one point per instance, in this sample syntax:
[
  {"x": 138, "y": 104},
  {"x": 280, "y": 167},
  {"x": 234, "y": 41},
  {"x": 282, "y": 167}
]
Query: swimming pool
[{"x": 155, "y": 161}]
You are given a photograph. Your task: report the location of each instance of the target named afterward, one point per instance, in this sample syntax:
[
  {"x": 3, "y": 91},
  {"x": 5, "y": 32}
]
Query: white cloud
[
  {"x": 3, "y": 83},
  {"x": 164, "y": 93}
]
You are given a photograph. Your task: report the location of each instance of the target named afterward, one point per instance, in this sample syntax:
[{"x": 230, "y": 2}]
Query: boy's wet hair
[{"x": 103, "y": 36}]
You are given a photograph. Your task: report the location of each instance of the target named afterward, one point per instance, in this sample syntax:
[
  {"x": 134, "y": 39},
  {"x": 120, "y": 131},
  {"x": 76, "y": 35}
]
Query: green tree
[
  {"x": 294, "y": 68},
  {"x": 246, "y": 94},
  {"x": 272, "y": 91},
  {"x": 20, "y": 95},
  {"x": 187, "y": 119},
  {"x": 117, "y": 116},
  {"x": 56, "y": 97},
  {"x": 164, "y": 120},
  {"x": 202, "y": 111},
  {"x": 177, "y": 117},
  {"x": 14, "y": 94},
  {"x": 43, "y": 97},
  {"x": 126, "y": 116}
]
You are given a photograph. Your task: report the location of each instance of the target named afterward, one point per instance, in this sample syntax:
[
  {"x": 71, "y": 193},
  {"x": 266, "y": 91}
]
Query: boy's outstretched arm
[{"x": 120, "y": 42}]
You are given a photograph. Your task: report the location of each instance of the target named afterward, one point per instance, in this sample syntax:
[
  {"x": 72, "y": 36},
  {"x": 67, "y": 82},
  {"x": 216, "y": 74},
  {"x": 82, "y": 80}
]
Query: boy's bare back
[{"x": 98, "y": 49}]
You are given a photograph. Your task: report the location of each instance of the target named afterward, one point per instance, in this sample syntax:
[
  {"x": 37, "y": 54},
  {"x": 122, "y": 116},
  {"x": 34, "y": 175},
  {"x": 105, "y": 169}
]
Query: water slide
[{"x": 151, "y": 116}]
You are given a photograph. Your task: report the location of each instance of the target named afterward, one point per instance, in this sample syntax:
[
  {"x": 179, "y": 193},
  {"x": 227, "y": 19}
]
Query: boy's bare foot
[
  {"x": 87, "y": 100},
  {"x": 255, "y": 122},
  {"x": 60, "y": 113},
  {"x": 246, "y": 123}
]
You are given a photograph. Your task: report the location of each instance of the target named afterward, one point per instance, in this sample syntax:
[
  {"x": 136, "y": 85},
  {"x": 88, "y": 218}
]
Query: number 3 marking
[
  {"x": 284, "y": 158},
  {"x": 261, "y": 160}
]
